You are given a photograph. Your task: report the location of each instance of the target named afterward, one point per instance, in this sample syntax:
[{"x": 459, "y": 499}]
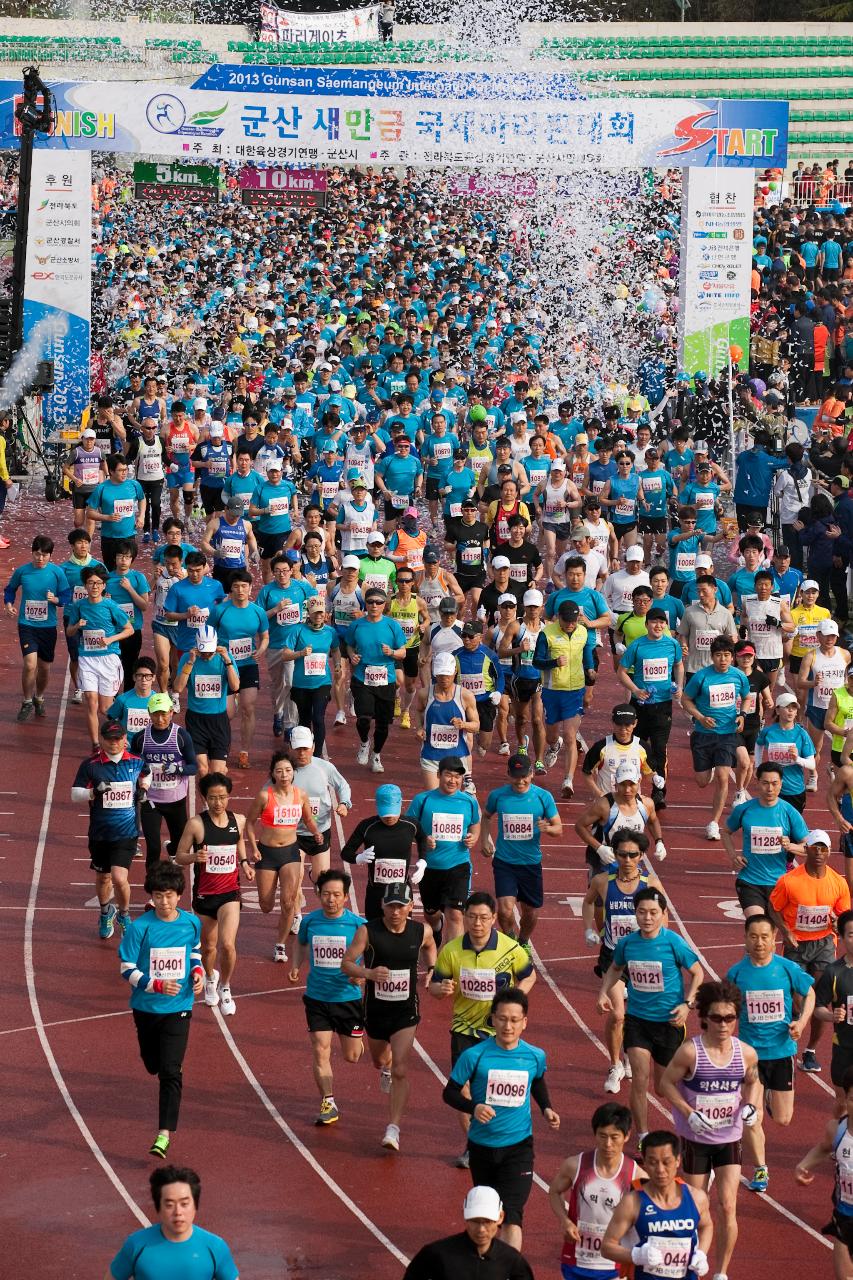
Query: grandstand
[{"x": 810, "y": 65}]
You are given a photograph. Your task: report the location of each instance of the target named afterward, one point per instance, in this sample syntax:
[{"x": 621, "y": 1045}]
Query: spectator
[{"x": 792, "y": 489}]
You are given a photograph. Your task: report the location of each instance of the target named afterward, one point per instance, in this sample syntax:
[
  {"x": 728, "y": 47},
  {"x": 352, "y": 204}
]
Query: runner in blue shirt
[
  {"x": 190, "y": 600},
  {"x": 175, "y": 1248},
  {"x": 43, "y": 586},
  {"x": 374, "y": 644},
  {"x": 118, "y": 504},
  {"x": 713, "y": 697},
  {"x": 450, "y": 820},
  {"x": 684, "y": 544},
  {"x": 787, "y": 744},
  {"x": 773, "y": 832},
  {"x": 702, "y": 494}
]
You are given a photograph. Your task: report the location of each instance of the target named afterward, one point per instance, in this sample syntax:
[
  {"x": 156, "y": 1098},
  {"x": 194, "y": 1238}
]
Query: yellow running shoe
[{"x": 405, "y": 720}]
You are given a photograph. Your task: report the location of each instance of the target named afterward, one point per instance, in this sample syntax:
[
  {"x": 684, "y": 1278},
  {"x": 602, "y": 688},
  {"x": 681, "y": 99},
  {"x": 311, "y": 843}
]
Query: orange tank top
[{"x": 284, "y": 815}]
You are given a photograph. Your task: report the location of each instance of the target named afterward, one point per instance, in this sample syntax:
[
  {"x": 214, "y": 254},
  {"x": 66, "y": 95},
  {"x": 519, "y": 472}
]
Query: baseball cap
[
  {"x": 623, "y": 712},
  {"x": 809, "y": 584},
  {"x": 703, "y": 466},
  {"x": 787, "y": 700},
  {"x": 634, "y": 553},
  {"x": 635, "y": 404},
  {"x": 627, "y": 771},
  {"x": 827, "y": 627},
  {"x": 199, "y": 403},
  {"x": 819, "y": 836},
  {"x": 581, "y": 531},
  {"x": 558, "y": 465},
  {"x": 430, "y": 555},
  {"x": 469, "y": 503},
  {"x": 206, "y": 640},
  {"x": 301, "y": 736},
  {"x": 532, "y": 597},
  {"x": 447, "y": 604},
  {"x": 112, "y": 730},
  {"x": 656, "y": 615},
  {"x": 704, "y": 562},
  {"x": 159, "y": 702},
  {"x": 568, "y": 611},
  {"x": 389, "y": 800},
  {"x": 506, "y": 597},
  {"x": 315, "y": 605},
  {"x": 273, "y": 464},
  {"x": 350, "y": 562},
  {"x": 376, "y": 536},
  {"x": 444, "y": 664},
  {"x": 89, "y": 434},
  {"x": 397, "y": 894},
  {"x": 482, "y": 1202},
  {"x": 500, "y": 562},
  {"x": 519, "y": 766},
  {"x": 744, "y": 648},
  {"x": 473, "y": 627},
  {"x": 841, "y": 481},
  {"x": 582, "y": 438},
  {"x": 234, "y": 504}
]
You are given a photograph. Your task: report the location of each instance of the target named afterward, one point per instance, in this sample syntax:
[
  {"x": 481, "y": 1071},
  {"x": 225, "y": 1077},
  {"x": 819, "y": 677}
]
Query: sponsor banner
[
  {"x": 286, "y": 26},
  {"x": 305, "y": 188},
  {"x": 167, "y": 180},
  {"x": 716, "y": 267},
  {"x": 320, "y": 115},
  {"x": 59, "y": 275}
]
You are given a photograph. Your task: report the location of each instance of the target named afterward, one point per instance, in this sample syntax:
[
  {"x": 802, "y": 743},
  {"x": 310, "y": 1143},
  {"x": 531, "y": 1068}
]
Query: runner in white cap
[
  {"x": 465, "y": 1256},
  {"x": 445, "y": 716}
]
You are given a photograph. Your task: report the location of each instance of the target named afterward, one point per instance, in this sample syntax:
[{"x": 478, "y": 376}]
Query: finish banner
[{"x": 287, "y": 26}]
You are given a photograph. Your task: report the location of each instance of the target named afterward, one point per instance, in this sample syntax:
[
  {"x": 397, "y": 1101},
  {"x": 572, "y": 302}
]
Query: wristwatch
[{"x": 691, "y": 1004}]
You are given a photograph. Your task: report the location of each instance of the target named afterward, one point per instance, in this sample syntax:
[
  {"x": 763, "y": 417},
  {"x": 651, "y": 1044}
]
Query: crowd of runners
[{"x": 384, "y": 509}]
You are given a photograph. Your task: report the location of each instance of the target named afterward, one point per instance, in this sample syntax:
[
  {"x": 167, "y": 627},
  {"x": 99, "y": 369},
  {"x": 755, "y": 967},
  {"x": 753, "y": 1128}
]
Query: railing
[{"x": 820, "y": 191}]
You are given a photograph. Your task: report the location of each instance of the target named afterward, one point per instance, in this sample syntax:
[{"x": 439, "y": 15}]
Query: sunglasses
[{"x": 722, "y": 1017}]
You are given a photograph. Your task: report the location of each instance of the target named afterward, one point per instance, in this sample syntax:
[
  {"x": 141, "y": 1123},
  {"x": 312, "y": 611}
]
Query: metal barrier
[{"x": 820, "y": 191}]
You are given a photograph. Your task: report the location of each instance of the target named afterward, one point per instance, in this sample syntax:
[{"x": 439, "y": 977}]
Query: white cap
[
  {"x": 827, "y": 627},
  {"x": 444, "y": 664},
  {"x": 89, "y": 434},
  {"x": 350, "y": 562},
  {"x": 507, "y": 598},
  {"x": 199, "y": 403},
  {"x": 704, "y": 562},
  {"x": 500, "y": 562},
  {"x": 787, "y": 700},
  {"x": 634, "y": 553},
  {"x": 809, "y": 584},
  {"x": 533, "y": 597},
  {"x": 482, "y": 1202},
  {"x": 206, "y": 640},
  {"x": 217, "y": 429},
  {"x": 558, "y": 465},
  {"x": 818, "y": 836},
  {"x": 274, "y": 464},
  {"x": 627, "y": 771},
  {"x": 376, "y": 536},
  {"x": 301, "y": 737}
]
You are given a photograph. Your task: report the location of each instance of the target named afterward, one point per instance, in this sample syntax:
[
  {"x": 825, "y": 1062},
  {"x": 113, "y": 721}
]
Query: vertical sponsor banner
[
  {"x": 716, "y": 267},
  {"x": 59, "y": 275}
]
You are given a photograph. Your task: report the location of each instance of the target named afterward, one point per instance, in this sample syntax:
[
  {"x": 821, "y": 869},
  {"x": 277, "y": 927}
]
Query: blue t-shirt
[
  {"x": 326, "y": 941},
  {"x": 207, "y": 686},
  {"x": 776, "y": 744},
  {"x": 159, "y": 556},
  {"x": 34, "y": 584},
  {"x": 718, "y": 694},
  {"x": 290, "y": 602},
  {"x": 494, "y": 1073},
  {"x": 658, "y": 487},
  {"x": 651, "y": 664},
  {"x": 117, "y": 499},
  {"x": 703, "y": 497},
  {"x": 315, "y": 669},
  {"x": 517, "y": 839},
  {"x": 767, "y": 1004},
  {"x": 763, "y": 827},
  {"x": 274, "y": 500},
  {"x": 742, "y": 583},
  {"x": 131, "y": 711},
  {"x": 366, "y": 639},
  {"x": 448, "y": 820},
  {"x": 154, "y": 949},
  {"x": 113, "y": 809},
  {"x": 399, "y": 474},
  {"x": 237, "y": 628},
  {"x": 148, "y": 1255},
  {"x": 196, "y": 599},
  {"x": 691, "y": 593},
  {"x": 653, "y": 972},
  {"x": 122, "y": 598},
  {"x": 682, "y": 556},
  {"x": 100, "y": 620}
]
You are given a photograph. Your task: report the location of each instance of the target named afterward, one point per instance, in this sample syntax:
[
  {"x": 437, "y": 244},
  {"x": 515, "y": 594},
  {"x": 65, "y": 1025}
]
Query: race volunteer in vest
[
  {"x": 43, "y": 586},
  {"x": 374, "y": 643},
  {"x": 481, "y": 673},
  {"x": 389, "y": 948},
  {"x": 112, "y": 782},
  {"x": 118, "y": 505},
  {"x": 652, "y": 670},
  {"x": 807, "y": 902},
  {"x": 273, "y": 509},
  {"x": 212, "y": 842},
  {"x": 670, "y": 1221},
  {"x": 101, "y": 626},
  {"x": 208, "y": 673},
  {"x": 445, "y": 716},
  {"x": 839, "y": 716},
  {"x": 153, "y": 1253},
  {"x": 503, "y": 1073},
  {"x": 168, "y": 751},
  {"x": 786, "y": 744},
  {"x": 701, "y": 624},
  {"x": 212, "y": 461},
  {"x": 525, "y": 813},
  {"x": 650, "y": 961},
  {"x": 131, "y": 706},
  {"x": 160, "y": 957},
  {"x": 229, "y": 540},
  {"x": 190, "y": 600},
  {"x": 332, "y": 1000},
  {"x": 386, "y": 840},
  {"x": 822, "y": 672},
  {"x": 772, "y": 987},
  {"x": 283, "y": 599},
  {"x": 773, "y": 833},
  {"x": 145, "y": 453},
  {"x": 313, "y": 652},
  {"x": 713, "y": 698},
  {"x": 406, "y": 544},
  {"x": 837, "y": 1145},
  {"x": 356, "y": 517},
  {"x": 475, "y": 1253},
  {"x": 596, "y": 1181},
  {"x": 327, "y": 790},
  {"x": 242, "y": 627},
  {"x": 708, "y": 1085},
  {"x": 449, "y": 819},
  {"x": 84, "y": 470},
  {"x": 560, "y": 655},
  {"x": 466, "y": 538}
]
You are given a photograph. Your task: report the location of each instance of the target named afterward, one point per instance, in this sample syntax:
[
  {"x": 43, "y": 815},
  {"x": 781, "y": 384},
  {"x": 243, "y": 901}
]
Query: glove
[
  {"x": 647, "y": 1255},
  {"x": 416, "y": 875},
  {"x": 658, "y": 781},
  {"x": 606, "y": 854},
  {"x": 749, "y": 1114},
  {"x": 495, "y": 698},
  {"x": 660, "y": 850},
  {"x": 101, "y": 787},
  {"x": 619, "y": 648},
  {"x": 699, "y": 1262},
  {"x": 174, "y": 468},
  {"x": 699, "y": 1124},
  {"x": 591, "y": 938},
  {"x": 366, "y": 856},
  {"x": 173, "y": 770},
  {"x": 771, "y": 621}
]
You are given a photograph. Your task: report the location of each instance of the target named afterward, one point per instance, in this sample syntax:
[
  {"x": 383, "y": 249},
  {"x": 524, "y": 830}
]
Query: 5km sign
[{"x": 170, "y": 181}]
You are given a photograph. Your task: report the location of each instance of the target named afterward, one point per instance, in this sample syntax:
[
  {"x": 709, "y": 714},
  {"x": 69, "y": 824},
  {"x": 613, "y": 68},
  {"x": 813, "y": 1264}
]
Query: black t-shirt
[
  {"x": 456, "y": 1258},
  {"x": 398, "y": 951},
  {"x": 252, "y": 446},
  {"x": 490, "y": 595},
  {"x": 392, "y": 841},
  {"x": 469, "y": 541},
  {"x": 758, "y": 682},
  {"x": 524, "y": 561},
  {"x": 835, "y": 988}
]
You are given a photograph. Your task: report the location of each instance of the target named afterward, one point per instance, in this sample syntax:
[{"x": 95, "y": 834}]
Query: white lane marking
[{"x": 29, "y": 970}]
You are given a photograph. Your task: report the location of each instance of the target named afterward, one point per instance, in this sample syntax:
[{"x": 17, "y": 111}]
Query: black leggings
[
  {"x": 129, "y": 650},
  {"x": 151, "y": 818},
  {"x": 153, "y": 490},
  {"x": 311, "y": 708},
  {"x": 382, "y": 721},
  {"x": 162, "y": 1044},
  {"x": 654, "y": 725}
]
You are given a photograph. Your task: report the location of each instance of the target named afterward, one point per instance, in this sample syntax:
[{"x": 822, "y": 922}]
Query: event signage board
[
  {"x": 302, "y": 188},
  {"x": 166, "y": 180},
  {"x": 288, "y": 26}
]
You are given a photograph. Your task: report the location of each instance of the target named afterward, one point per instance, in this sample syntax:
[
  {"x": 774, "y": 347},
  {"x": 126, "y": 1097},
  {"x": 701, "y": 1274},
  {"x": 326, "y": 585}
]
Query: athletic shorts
[
  {"x": 840, "y": 1227},
  {"x": 447, "y": 889},
  {"x": 100, "y": 673},
  {"x": 269, "y": 544},
  {"x": 524, "y": 688},
  {"x": 344, "y": 1017},
  {"x": 753, "y": 895},
  {"x": 816, "y": 716},
  {"x": 520, "y": 881},
  {"x": 562, "y": 704},
  {"x": 381, "y": 1025},
  {"x": 308, "y": 844},
  {"x": 459, "y": 1042},
  {"x": 486, "y": 713},
  {"x": 509, "y": 1170},
  {"x": 365, "y": 700},
  {"x": 470, "y": 581},
  {"x": 812, "y": 954},
  {"x": 38, "y": 640},
  {"x": 653, "y": 524},
  {"x": 209, "y": 905},
  {"x": 273, "y": 859},
  {"x": 162, "y": 629},
  {"x": 621, "y": 529},
  {"x": 211, "y": 734},
  {"x": 768, "y": 665},
  {"x": 660, "y": 1039},
  {"x": 747, "y": 738},
  {"x": 410, "y": 665},
  {"x": 182, "y": 477},
  {"x": 797, "y": 801},
  {"x": 431, "y": 489},
  {"x": 605, "y": 960},
  {"x": 80, "y": 498},
  {"x": 396, "y": 513},
  {"x": 794, "y": 665},
  {"x": 250, "y": 676},
  {"x": 711, "y": 749},
  {"x": 702, "y": 1157},
  {"x": 72, "y": 643},
  {"x": 562, "y": 532},
  {"x": 106, "y": 854},
  {"x": 776, "y": 1074}
]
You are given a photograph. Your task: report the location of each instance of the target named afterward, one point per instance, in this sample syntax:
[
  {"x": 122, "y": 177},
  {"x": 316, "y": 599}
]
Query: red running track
[{"x": 295, "y": 1201}]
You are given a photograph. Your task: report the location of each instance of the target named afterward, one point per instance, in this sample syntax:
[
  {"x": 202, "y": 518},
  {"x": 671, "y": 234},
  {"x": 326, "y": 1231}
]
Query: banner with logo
[
  {"x": 286, "y": 26},
  {"x": 324, "y": 115},
  {"x": 59, "y": 275},
  {"x": 716, "y": 267},
  {"x": 303, "y": 188},
  {"x": 167, "y": 180}
]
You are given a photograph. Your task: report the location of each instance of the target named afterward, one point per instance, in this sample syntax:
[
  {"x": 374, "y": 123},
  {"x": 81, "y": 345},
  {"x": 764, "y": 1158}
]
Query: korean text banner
[
  {"x": 286, "y": 26},
  {"x": 324, "y": 115}
]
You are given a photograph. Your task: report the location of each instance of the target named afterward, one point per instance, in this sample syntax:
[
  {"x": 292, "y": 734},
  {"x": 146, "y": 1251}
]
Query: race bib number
[
  {"x": 90, "y": 474},
  {"x": 241, "y": 648},
  {"x": 812, "y": 919},
  {"x": 161, "y": 780},
  {"x": 676, "y": 1251},
  {"x": 389, "y": 871},
  {"x": 128, "y": 608},
  {"x": 148, "y": 469},
  {"x": 279, "y": 506},
  {"x": 217, "y": 466},
  {"x": 478, "y": 984},
  {"x": 685, "y": 562},
  {"x": 168, "y": 963},
  {"x": 845, "y": 1183},
  {"x": 399, "y": 500},
  {"x": 455, "y": 510},
  {"x": 374, "y": 582},
  {"x": 588, "y": 1247},
  {"x": 287, "y": 815},
  {"x": 807, "y": 636},
  {"x": 622, "y": 926},
  {"x": 79, "y": 593},
  {"x": 119, "y": 796},
  {"x": 137, "y": 719},
  {"x": 375, "y": 677},
  {"x": 123, "y": 508},
  {"x": 518, "y": 572},
  {"x": 197, "y": 617},
  {"x": 646, "y": 975},
  {"x": 471, "y": 555},
  {"x": 765, "y": 840},
  {"x": 625, "y": 507},
  {"x": 395, "y": 987},
  {"x": 475, "y": 683},
  {"x": 765, "y": 1006},
  {"x": 327, "y": 951},
  {"x": 720, "y": 1109},
  {"x": 443, "y": 737},
  {"x": 703, "y": 641},
  {"x": 704, "y": 501},
  {"x": 221, "y": 859},
  {"x": 447, "y": 827},
  {"x": 749, "y": 703},
  {"x": 721, "y": 695},
  {"x": 94, "y": 640},
  {"x": 36, "y": 610},
  {"x": 231, "y": 549},
  {"x": 315, "y": 664},
  {"x": 329, "y": 489},
  {"x": 408, "y": 626},
  {"x": 288, "y": 613},
  {"x": 208, "y": 686},
  {"x": 506, "y": 1088},
  {"x": 781, "y": 752},
  {"x": 517, "y": 826},
  {"x": 655, "y": 670},
  {"x": 441, "y": 452}
]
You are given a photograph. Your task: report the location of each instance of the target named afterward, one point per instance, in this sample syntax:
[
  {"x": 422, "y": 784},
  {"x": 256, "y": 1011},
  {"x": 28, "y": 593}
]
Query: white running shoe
[
  {"x": 376, "y": 765},
  {"x": 581, "y": 741},
  {"x": 384, "y": 1080},
  {"x": 503, "y": 749},
  {"x": 341, "y": 717},
  {"x": 363, "y": 753},
  {"x": 811, "y": 785},
  {"x": 279, "y": 954},
  {"x": 211, "y": 995},
  {"x": 626, "y": 1066},
  {"x": 552, "y": 755},
  {"x": 391, "y": 1139},
  {"x": 469, "y": 786},
  {"x": 77, "y": 698},
  {"x": 176, "y": 703},
  {"x": 742, "y": 796},
  {"x": 297, "y": 921},
  {"x": 712, "y": 831},
  {"x": 615, "y": 1076},
  {"x": 226, "y": 1002}
]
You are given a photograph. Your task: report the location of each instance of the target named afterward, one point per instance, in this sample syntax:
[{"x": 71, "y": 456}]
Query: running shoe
[
  {"x": 146, "y": 538},
  {"x": 297, "y": 921},
  {"x": 742, "y": 796},
  {"x": 463, "y": 1161},
  {"x": 211, "y": 995},
  {"x": 107, "y": 922},
  {"x": 243, "y": 760},
  {"x": 615, "y": 1076},
  {"x": 363, "y": 754},
  {"x": 568, "y": 788},
  {"x": 376, "y": 765},
  {"x": 176, "y": 703},
  {"x": 26, "y": 712},
  {"x": 384, "y": 1080},
  {"x": 405, "y": 720},
  {"x": 41, "y": 709},
  {"x": 328, "y": 1112},
  {"x": 469, "y": 785},
  {"x": 528, "y": 947},
  {"x": 123, "y": 921},
  {"x": 523, "y": 745},
  {"x": 581, "y": 741},
  {"x": 277, "y": 726},
  {"x": 391, "y": 1140},
  {"x": 810, "y": 1062},
  {"x": 341, "y": 717},
  {"x": 397, "y": 708},
  {"x": 712, "y": 831},
  {"x": 760, "y": 1179},
  {"x": 539, "y": 769},
  {"x": 156, "y": 538},
  {"x": 626, "y": 1066},
  {"x": 279, "y": 954},
  {"x": 552, "y": 754},
  {"x": 226, "y": 1002},
  {"x": 77, "y": 698},
  {"x": 503, "y": 750},
  {"x": 160, "y": 1146},
  {"x": 811, "y": 785}
]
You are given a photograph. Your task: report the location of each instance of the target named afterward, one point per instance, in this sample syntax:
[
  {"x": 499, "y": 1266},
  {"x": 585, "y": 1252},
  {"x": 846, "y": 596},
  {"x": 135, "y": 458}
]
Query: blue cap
[
  {"x": 292, "y": 556},
  {"x": 389, "y": 801},
  {"x": 353, "y": 474}
]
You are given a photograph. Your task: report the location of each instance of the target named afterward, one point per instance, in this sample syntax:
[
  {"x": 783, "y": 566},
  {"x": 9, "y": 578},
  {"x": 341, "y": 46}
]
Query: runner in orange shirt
[{"x": 807, "y": 902}]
